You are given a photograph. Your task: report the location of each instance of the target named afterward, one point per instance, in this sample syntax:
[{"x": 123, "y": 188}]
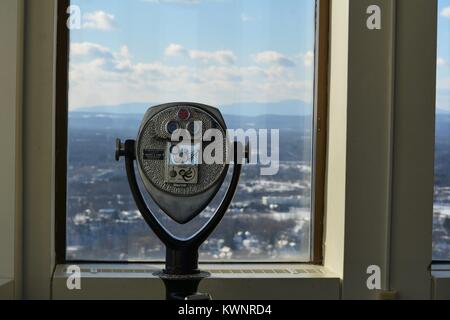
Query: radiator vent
[
  {"x": 266, "y": 271},
  {"x": 280, "y": 271},
  {"x": 110, "y": 270}
]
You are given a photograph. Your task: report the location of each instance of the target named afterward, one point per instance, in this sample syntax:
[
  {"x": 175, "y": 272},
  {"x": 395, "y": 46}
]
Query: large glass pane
[
  {"x": 254, "y": 59},
  {"x": 441, "y": 227}
]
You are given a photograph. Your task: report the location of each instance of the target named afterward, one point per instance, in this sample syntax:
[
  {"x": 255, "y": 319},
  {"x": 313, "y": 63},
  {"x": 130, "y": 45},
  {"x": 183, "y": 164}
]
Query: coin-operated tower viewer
[{"x": 181, "y": 183}]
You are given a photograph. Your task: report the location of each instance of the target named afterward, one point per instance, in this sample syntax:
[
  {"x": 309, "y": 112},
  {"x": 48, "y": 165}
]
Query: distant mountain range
[
  {"x": 131, "y": 122},
  {"x": 248, "y": 109}
]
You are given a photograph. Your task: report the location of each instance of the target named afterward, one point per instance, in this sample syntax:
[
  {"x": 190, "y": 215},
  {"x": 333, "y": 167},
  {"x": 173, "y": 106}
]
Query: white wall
[
  {"x": 382, "y": 98},
  {"x": 39, "y": 136},
  {"x": 360, "y": 145},
  {"x": 11, "y": 22},
  {"x": 369, "y": 147},
  {"x": 337, "y": 139},
  {"x": 413, "y": 175}
]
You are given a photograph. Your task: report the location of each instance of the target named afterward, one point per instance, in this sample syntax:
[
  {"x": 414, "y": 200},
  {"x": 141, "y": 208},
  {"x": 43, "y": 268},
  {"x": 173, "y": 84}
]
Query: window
[
  {"x": 254, "y": 60},
  {"x": 441, "y": 226}
]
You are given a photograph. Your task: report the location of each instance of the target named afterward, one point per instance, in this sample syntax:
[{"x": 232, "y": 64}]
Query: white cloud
[
  {"x": 441, "y": 62},
  {"x": 446, "y": 12},
  {"x": 124, "y": 52},
  {"x": 173, "y": 1},
  {"x": 308, "y": 59},
  {"x": 174, "y": 50},
  {"x": 221, "y": 56},
  {"x": 100, "y": 76},
  {"x": 273, "y": 57},
  {"x": 443, "y": 84},
  {"x": 247, "y": 18},
  {"x": 185, "y": 2},
  {"x": 101, "y": 56},
  {"x": 443, "y": 93},
  {"x": 98, "y": 20},
  {"x": 89, "y": 49}
]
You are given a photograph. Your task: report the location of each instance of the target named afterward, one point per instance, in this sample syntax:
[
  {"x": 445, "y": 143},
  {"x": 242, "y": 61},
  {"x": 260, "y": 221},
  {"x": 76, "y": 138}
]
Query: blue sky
[
  {"x": 443, "y": 91},
  {"x": 212, "y": 51}
]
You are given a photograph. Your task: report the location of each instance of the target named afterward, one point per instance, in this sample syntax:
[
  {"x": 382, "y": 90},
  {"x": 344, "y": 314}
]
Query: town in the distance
[{"x": 269, "y": 219}]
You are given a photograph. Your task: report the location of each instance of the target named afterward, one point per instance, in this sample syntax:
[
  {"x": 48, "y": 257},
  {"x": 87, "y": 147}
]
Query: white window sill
[
  {"x": 239, "y": 282},
  {"x": 6, "y": 289}
]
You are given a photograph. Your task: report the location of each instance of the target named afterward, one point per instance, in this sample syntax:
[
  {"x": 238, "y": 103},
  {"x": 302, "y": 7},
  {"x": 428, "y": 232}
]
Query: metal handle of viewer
[{"x": 120, "y": 149}]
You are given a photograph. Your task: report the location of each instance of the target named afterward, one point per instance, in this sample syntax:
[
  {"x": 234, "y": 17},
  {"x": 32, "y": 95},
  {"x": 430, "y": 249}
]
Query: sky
[
  {"x": 443, "y": 78},
  {"x": 216, "y": 52}
]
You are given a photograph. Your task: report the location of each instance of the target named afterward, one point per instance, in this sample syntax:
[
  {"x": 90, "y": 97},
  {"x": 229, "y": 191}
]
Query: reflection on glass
[{"x": 251, "y": 58}]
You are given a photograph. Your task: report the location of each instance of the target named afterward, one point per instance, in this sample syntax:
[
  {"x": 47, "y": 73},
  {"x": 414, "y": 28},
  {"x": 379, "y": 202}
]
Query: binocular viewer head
[{"x": 169, "y": 153}]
